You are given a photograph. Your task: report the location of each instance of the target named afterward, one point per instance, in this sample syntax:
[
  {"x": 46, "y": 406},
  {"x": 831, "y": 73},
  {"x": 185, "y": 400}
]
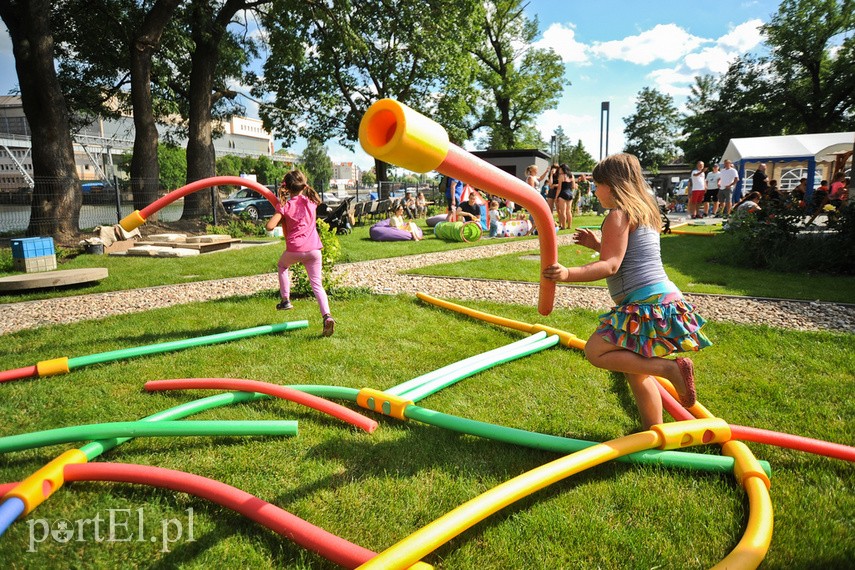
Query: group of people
[
  {"x": 650, "y": 318},
  {"x": 713, "y": 194}
]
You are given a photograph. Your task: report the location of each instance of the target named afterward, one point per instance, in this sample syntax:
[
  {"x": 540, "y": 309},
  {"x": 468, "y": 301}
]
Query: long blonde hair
[
  {"x": 622, "y": 173},
  {"x": 295, "y": 181}
]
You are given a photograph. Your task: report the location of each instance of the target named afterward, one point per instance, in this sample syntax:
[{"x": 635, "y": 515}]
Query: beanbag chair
[
  {"x": 382, "y": 231},
  {"x": 515, "y": 228},
  {"x": 434, "y": 220}
]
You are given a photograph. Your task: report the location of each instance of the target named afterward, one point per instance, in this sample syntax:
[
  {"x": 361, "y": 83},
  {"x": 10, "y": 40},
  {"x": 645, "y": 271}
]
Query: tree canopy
[{"x": 652, "y": 130}]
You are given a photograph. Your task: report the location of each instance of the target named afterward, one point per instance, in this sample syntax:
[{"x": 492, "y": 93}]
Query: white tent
[{"x": 811, "y": 150}]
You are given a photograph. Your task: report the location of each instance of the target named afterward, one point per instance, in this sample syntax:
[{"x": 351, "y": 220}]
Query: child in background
[
  {"x": 298, "y": 216},
  {"x": 651, "y": 319},
  {"x": 396, "y": 220},
  {"x": 494, "y": 218}
]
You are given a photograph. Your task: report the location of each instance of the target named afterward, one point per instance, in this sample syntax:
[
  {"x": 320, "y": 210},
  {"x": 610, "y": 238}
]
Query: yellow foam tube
[
  {"x": 52, "y": 367},
  {"x": 396, "y": 134},
  {"x": 751, "y": 550},
  {"x": 33, "y": 490},
  {"x": 424, "y": 541},
  {"x": 566, "y": 338},
  {"x": 132, "y": 221}
]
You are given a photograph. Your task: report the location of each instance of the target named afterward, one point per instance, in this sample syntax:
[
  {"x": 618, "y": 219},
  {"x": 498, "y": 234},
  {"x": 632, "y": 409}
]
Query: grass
[
  {"x": 375, "y": 489},
  {"x": 696, "y": 265}
]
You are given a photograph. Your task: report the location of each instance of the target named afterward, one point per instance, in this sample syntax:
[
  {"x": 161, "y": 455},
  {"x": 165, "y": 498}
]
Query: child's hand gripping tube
[{"x": 394, "y": 133}]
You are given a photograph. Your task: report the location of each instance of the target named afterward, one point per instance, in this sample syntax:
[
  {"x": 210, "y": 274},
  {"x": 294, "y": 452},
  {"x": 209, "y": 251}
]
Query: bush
[
  {"x": 239, "y": 227},
  {"x": 772, "y": 239},
  {"x": 300, "y": 286}
]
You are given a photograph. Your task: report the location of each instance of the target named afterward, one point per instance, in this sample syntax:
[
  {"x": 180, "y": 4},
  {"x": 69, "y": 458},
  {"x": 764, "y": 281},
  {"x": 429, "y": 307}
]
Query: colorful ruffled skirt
[{"x": 654, "y": 321}]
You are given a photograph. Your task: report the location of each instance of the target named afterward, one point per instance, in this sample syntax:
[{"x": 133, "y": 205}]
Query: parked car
[
  {"x": 249, "y": 203},
  {"x": 330, "y": 198}
]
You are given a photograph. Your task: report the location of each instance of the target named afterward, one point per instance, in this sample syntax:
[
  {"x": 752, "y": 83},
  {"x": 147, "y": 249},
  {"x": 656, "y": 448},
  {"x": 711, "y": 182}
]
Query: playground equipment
[
  {"x": 64, "y": 365},
  {"x": 395, "y": 133},
  {"x": 458, "y": 231}
]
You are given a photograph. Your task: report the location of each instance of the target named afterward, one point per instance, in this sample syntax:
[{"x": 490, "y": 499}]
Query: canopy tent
[{"x": 812, "y": 149}]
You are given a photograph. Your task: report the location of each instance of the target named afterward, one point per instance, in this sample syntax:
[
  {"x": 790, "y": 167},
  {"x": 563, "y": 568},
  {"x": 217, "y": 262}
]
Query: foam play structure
[
  {"x": 458, "y": 231},
  {"x": 395, "y": 133},
  {"x": 384, "y": 231}
]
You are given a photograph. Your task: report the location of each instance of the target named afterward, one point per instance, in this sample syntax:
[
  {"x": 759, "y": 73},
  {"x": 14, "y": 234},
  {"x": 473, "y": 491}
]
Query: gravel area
[{"x": 382, "y": 277}]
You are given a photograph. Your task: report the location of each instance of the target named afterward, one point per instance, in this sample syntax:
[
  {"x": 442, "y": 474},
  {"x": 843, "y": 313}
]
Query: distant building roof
[{"x": 820, "y": 146}]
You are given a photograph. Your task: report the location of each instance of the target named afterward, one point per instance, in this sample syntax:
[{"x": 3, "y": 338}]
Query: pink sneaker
[{"x": 687, "y": 371}]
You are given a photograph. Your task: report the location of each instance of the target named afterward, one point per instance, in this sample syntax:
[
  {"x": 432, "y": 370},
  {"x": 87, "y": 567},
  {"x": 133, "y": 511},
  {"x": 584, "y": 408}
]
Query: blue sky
[{"x": 611, "y": 49}]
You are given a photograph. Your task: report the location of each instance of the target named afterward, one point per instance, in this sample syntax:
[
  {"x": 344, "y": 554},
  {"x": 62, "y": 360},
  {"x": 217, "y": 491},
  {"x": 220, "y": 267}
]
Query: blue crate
[{"x": 25, "y": 248}]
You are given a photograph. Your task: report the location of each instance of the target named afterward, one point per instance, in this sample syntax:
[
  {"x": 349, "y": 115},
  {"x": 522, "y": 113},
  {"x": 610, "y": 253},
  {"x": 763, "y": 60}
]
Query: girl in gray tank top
[{"x": 651, "y": 320}]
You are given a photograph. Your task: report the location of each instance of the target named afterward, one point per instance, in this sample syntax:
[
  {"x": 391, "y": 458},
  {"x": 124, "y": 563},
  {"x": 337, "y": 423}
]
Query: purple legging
[{"x": 311, "y": 260}]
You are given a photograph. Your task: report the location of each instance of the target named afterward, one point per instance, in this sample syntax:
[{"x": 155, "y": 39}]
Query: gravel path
[{"x": 381, "y": 276}]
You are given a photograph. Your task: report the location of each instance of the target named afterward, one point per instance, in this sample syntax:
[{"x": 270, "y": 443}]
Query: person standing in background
[
  {"x": 696, "y": 197},
  {"x": 727, "y": 181},
  {"x": 711, "y": 195}
]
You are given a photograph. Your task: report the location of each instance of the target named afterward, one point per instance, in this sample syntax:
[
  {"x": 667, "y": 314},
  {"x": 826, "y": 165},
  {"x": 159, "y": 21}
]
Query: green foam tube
[
  {"x": 100, "y": 357},
  {"x": 95, "y": 448},
  {"x": 146, "y": 429},
  {"x": 682, "y": 459}
]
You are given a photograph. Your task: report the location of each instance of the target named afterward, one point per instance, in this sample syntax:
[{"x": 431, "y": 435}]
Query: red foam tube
[
  {"x": 797, "y": 442},
  {"x": 315, "y": 402},
  {"x": 278, "y": 520},
  {"x": 482, "y": 175},
  {"x": 757, "y": 435},
  {"x": 207, "y": 183},
  {"x": 18, "y": 373},
  {"x": 6, "y": 487}
]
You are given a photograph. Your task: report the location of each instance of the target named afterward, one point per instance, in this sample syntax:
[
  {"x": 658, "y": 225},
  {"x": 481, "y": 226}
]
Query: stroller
[{"x": 337, "y": 217}]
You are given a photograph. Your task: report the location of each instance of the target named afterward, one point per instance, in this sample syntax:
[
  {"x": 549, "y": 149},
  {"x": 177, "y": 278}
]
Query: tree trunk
[
  {"x": 145, "y": 170},
  {"x": 57, "y": 197},
  {"x": 201, "y": 158}
]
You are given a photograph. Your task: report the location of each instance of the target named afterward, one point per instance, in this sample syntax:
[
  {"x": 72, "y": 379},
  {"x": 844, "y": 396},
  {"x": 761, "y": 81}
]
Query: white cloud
[
  {"x": 744, "y": 37},
  {"x": 672, "y": 81},
  {"x": 711, "y": 59},
  {"x": 561, "y": 38},
  {"x": 666, "y": 42}
]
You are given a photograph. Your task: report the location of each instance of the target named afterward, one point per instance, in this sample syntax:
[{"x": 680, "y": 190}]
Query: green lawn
[
  {"x": 376, "y": 489},
  {"x": 695, "y": 264}
]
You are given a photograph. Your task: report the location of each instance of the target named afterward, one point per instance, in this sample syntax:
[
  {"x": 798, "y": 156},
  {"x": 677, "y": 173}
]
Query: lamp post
[{"x": 604, "y": 109}]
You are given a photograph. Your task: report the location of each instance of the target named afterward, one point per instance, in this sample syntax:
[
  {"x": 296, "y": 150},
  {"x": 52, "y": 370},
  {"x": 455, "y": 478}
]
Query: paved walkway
[{"x": 382, "y": 277}]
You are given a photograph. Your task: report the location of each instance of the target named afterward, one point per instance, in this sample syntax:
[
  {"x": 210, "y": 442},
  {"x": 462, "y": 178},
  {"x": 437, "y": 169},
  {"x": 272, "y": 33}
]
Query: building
[
  {"x": 346, "y": 173},
  {"x": 98, "y": 145}
]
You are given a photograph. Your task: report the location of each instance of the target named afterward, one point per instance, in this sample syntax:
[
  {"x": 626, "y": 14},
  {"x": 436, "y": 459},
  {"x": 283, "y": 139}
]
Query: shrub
[
  {"x": 239, "y": 227},
  {"x": 331, "y": 253},
  {"x": 772, "y": 239}
]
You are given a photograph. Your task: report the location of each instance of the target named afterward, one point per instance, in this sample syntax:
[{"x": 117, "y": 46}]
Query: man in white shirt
[
  {"x": 711, "y": 195},
  {"x": 727, "y": 183},
  {"x": 696, "y": 197}
]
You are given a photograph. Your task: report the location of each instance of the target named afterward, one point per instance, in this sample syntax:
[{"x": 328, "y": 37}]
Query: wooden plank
[{"x": 52, "y": 278}]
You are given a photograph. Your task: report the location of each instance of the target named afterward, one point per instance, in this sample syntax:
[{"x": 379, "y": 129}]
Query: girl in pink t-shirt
[{"x": 298, "y": 217}]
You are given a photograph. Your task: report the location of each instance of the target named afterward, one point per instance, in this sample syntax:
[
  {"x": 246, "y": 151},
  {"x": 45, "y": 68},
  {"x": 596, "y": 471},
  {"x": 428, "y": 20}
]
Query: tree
[
  {"x": 519, "y": 81},
  {"x": 56, "y": 197},
  {"x": 172, "y": 165},
  {"x": 369, "y": 178},
  {"x": 330, "y": 60},
  {"x": 650, "y": 131},
  {"x": 579, "y": 160},
  {"x": 815, "y": 82},
  {"x": 208, "y": 70},
  {"x": 100, "y": 58},
  {"x": 319, "y": 168}
]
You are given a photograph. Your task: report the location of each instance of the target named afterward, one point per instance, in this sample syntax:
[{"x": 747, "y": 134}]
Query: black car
[{"x": 249, "y": 203}]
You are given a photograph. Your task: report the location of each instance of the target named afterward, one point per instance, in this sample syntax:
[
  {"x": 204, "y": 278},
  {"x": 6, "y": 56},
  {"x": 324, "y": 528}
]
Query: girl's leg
[
  {"x": 312, "y": 263},
  {"x": 284, "y": 275},
  {"x": 604, "y": 355},
  {"x": 647, "y": 399}
]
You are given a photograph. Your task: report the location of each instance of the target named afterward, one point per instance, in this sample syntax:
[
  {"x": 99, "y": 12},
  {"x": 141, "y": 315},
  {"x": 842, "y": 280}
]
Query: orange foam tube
[
  {"x": 138, "y": 217},
  {"x": 393, "y": 132}
]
